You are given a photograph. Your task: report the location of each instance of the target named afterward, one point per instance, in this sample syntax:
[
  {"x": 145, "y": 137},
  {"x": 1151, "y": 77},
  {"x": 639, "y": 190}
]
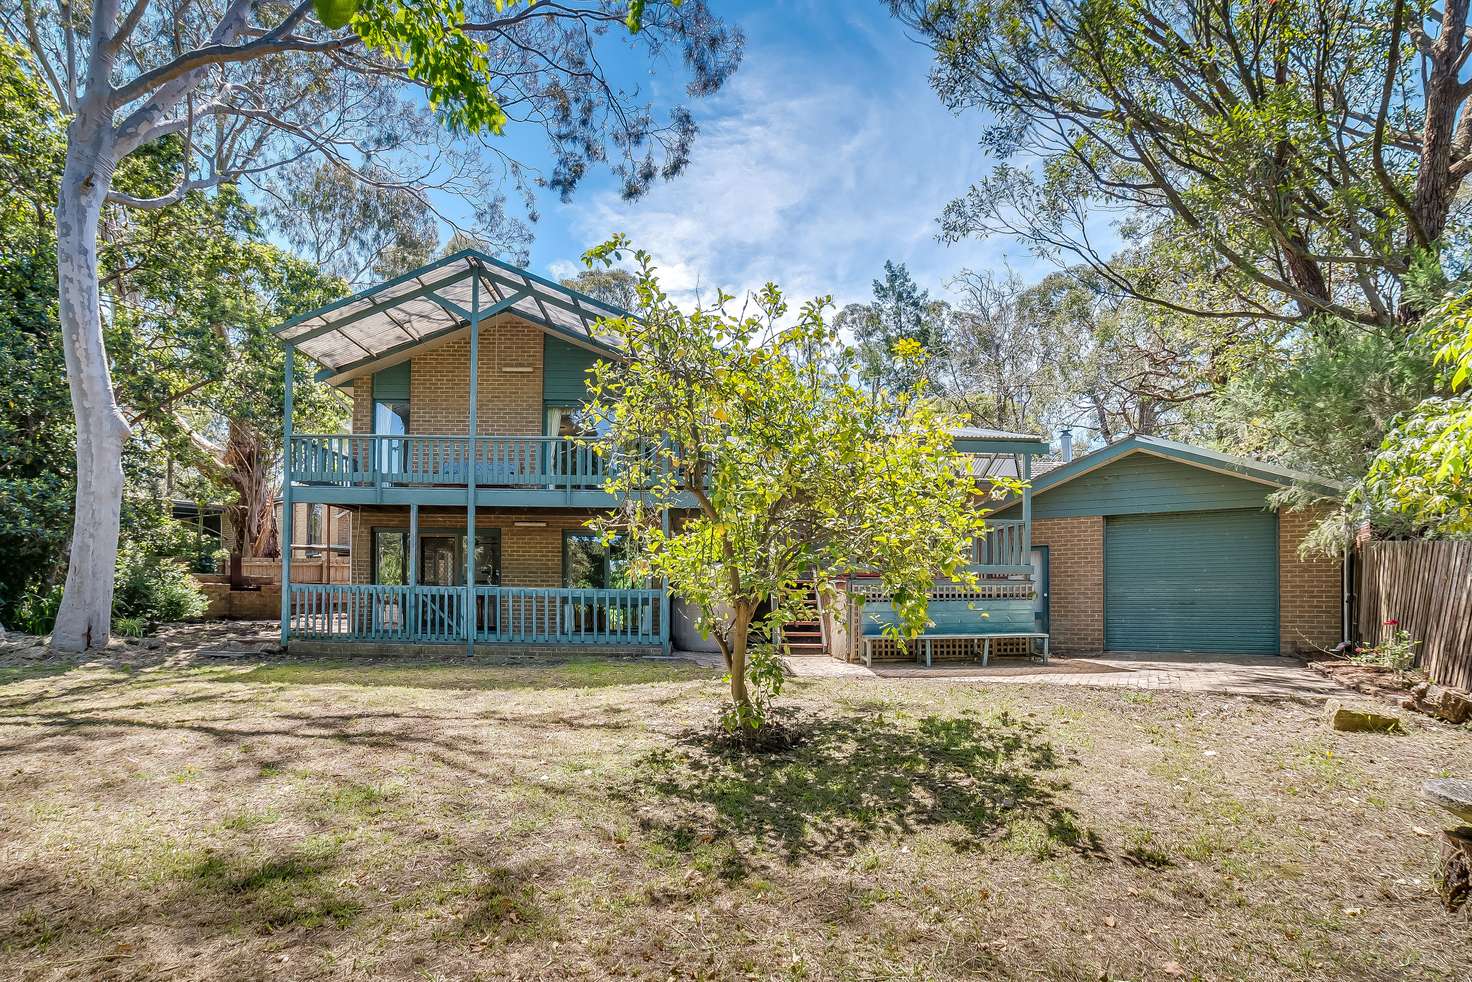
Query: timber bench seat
[
  {"x": 984, "y": 646},
  {"x": 981, "y": 621}
]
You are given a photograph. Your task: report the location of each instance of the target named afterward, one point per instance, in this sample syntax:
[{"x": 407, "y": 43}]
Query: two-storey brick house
[{"x": 471, "y": 480}]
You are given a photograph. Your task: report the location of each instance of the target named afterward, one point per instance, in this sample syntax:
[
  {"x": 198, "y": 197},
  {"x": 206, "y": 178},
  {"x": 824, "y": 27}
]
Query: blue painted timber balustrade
[
  {"x": 437, "y": 614},
  {"x": 1001, "y": 544},
  {"x": 1001, "y": 605},
  {"x": 377, "y": 460}
]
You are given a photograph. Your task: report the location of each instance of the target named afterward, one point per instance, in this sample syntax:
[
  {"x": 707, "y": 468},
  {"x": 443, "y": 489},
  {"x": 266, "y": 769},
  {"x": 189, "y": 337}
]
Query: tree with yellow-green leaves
[{"x": 783, "y": 467}]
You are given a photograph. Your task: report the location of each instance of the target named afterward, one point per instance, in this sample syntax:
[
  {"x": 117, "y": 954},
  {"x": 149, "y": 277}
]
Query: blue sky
[{"x": 825, "y": 155}]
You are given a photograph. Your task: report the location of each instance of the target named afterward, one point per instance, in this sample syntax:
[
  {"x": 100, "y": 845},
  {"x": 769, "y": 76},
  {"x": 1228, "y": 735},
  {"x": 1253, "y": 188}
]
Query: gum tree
[
  {"x": 397, "y": 92},
  {"x": 780, "y": 469}
]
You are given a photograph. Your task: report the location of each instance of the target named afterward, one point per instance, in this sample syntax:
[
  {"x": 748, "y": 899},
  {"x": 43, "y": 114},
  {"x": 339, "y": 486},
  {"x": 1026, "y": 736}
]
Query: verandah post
[
  {"x": 470, "y": 613},
  {"x": 286, "y": 533},
  {"x": 411, "y": 575},
  {"x": 1027, "y": 509},
  {"x": 666, "y": 642}
]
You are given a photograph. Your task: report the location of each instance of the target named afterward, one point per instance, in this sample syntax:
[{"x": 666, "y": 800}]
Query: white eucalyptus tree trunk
[{"x": 85, "y": 618}]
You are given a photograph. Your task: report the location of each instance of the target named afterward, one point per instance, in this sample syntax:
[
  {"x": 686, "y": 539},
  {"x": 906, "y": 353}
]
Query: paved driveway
[{"x": 1247, "y": 675}]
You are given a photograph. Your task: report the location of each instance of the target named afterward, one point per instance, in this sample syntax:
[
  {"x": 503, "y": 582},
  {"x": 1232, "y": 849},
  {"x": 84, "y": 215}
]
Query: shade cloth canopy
[{"x": 383, "y": 323}]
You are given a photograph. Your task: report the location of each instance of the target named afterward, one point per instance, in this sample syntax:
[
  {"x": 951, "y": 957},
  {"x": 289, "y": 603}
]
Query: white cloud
[
  {"x": 802, "y": 176},
  {"x": 564, "y": 269}
]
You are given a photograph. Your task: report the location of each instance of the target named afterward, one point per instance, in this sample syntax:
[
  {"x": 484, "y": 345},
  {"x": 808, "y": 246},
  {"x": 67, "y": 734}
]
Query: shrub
[
  {"x": 1397, "y": 653},
  {"x": 36, "y": 612},
  {"x": 130, "y": 627},
  {"x": 154, "y": 589}
]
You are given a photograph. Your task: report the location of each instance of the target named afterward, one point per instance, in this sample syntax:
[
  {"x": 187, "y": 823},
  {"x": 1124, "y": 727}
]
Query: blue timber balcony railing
[
  {"x": 1002, "y": 547},
  {"x": 375, "y": 460},
  {"x": 437, "y": 614}
]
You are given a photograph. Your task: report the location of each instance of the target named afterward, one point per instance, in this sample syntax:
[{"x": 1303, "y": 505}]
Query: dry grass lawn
[{"x": 324, "y": 820}]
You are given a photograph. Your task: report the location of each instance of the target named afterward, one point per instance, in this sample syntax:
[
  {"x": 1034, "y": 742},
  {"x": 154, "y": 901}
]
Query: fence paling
[{"x": 1427, "y": 587}]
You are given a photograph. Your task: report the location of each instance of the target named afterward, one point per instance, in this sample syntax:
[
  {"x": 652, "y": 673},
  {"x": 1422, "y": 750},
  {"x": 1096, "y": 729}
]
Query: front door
[
  {"x": 440, "y": 565},
  {"x": 439, "y": 560},
  {"x": 1040, "y": 612}
]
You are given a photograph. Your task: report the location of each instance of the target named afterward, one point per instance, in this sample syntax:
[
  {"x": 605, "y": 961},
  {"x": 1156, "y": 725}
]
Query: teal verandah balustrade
[
  {"x": 1002, "y": 544},
  {"x": 437, "y": 614},
  {"x": 368, "y": 460}
]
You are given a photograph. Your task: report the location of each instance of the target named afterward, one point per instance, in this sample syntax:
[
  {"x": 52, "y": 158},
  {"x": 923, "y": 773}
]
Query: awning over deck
[
  {"x": 383, "y": 324},
  {"x": 998, "y": 453}
]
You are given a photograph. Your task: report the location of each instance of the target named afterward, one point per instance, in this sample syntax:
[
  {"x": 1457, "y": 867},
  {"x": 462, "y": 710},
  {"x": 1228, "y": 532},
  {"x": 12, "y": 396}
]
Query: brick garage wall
[
  {"x": 529, "y": 556},
  {"x": 1309, "y": 589},
  {"x": 1076, "y": 581},
  {"x": 508, "y": 402},
  {"x": 1310, "y": 594}
]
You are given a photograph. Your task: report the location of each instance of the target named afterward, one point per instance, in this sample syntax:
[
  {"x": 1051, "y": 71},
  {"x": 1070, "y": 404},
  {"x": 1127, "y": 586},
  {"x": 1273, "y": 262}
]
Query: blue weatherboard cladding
[
  {"x": 1191, "y": 581},
  {"x": 565, "y": 372},
  {"x": 392, "y": 383},
  {"x": 1143, "y": 482}
]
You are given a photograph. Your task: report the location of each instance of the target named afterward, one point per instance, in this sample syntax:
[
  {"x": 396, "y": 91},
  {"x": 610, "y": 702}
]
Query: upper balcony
[{"x": 363, "y": 468}]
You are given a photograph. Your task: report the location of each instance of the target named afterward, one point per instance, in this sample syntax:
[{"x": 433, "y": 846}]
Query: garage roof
[
  {"x": 1186, "y": 453},
  {"x": 381, "y": 324}
]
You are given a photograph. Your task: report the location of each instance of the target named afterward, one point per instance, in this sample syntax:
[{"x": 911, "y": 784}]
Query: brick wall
[
  {"x": 529, "y": 556},
  {"x": 1309, "y": 590},
  {"x": 1076, "y": 581},
  {"x": 362, "y": 404},
  {"x": 508, "y": 402},
  {"x": 237, "y": 605}
]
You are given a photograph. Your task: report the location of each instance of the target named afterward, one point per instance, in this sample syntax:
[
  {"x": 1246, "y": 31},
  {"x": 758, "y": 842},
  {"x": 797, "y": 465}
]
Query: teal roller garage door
[{"x": 1194, "y": 581}]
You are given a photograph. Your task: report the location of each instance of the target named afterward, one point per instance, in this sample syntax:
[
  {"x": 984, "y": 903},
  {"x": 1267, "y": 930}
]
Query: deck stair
[{"x": 805, "y": 637}]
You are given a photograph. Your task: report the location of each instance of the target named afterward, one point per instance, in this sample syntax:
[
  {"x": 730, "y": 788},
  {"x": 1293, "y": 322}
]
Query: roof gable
[
  {"x": 383, "y": 324},
  {"x": 1142, "y": 474}
]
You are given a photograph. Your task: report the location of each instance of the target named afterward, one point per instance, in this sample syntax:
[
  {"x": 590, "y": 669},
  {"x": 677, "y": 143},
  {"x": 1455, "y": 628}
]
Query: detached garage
[{"x": 1153, "y": 545}]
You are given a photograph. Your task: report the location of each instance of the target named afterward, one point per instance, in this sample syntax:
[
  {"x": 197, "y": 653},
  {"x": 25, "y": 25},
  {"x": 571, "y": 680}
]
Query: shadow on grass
[
  {"x": 573, "y": 673},
  {"x": 858, "y": 777},
  {"x": 292, "y": 889},
  {"x": 11, "y": 674}
]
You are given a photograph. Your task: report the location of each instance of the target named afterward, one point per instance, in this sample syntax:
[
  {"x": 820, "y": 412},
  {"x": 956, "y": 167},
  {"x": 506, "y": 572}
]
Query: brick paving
[{"x": 1246, "y": 675}]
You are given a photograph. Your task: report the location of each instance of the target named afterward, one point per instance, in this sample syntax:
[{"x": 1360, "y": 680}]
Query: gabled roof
[
  {"x": 1185, "y": 453},
  {"x": 382, "y": 324}
]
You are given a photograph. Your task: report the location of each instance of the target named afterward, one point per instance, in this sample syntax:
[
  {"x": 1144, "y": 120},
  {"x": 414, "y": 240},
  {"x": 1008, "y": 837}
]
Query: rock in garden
[
  {"x": 1453, "y": 794},
  {"x": 1362, "y": 720},
  {"x": 232, "y": 649},
  {"x": 1444, "y": 703},
  {"x": 1454, "y": 868}
]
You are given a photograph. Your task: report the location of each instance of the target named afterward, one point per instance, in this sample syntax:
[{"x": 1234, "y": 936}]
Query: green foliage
[
  {"x": 900, "y": 310},
  {"x": 190, "y": 342},
  {"x": 613, "y": 286},
  {"x": 37, "y": 453},
  {"x": 130, "y": 627},
  {"x": 1397, "y": 653},
  {"x": 335, "y": 14},
  {"x": 1323, "y": 400},
  {"x": 796, "y": 470},
  {"x": 154, "y": 588},
  {"x": 427, "y": 38},
  {"x": 1422, "y": 472},
  {"x": 36, "y": 611}
]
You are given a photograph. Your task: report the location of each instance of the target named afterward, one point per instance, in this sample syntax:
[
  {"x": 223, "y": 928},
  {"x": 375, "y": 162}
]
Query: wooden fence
[
  {"x": 303, "y": 570},
  {"x": 1427, "y": 588}
]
